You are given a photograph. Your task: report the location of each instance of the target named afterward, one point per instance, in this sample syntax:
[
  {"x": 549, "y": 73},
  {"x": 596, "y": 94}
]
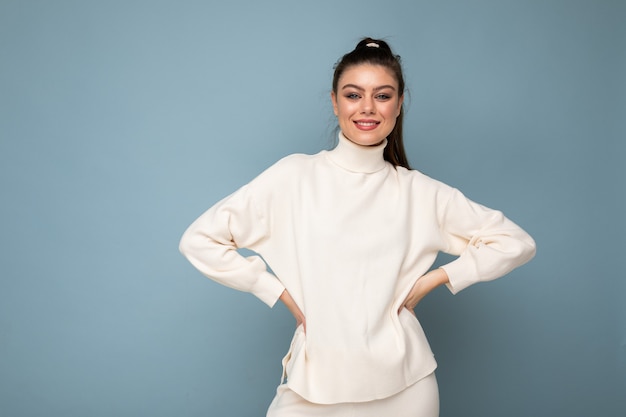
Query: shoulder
[
  {"x": 420, "y": 181},
  {"x": 290, "y": 164},
  {"x": 295, "y": 161},
  {"x": 285, "y": 171}
]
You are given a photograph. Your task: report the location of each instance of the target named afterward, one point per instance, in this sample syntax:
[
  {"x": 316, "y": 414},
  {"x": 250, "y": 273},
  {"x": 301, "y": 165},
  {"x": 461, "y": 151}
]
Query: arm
[
  {"x": 488, "y": 244},
  {"x": 211, "y": 244},
  {"x": 285, "y": 297},
  {"x": 423, "y": 286}
]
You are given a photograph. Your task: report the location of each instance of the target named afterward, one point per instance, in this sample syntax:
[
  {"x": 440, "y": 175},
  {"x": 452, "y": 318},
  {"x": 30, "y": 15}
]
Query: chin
[{"x": 369, "y": 141}]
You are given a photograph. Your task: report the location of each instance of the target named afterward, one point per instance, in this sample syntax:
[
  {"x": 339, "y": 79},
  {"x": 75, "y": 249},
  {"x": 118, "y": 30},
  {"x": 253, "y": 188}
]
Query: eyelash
[{"x": 382, "y": 97}]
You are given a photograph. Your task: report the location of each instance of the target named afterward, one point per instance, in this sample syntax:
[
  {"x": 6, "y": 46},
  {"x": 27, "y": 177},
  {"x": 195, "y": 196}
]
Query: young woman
[{"x": 350, "y": 235}]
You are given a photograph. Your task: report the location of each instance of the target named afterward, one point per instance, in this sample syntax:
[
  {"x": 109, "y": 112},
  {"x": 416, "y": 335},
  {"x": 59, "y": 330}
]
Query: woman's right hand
[{"x": 286, "y": 298}]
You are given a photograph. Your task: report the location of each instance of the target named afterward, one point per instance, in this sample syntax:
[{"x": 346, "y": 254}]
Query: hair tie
[{"x": 373, "y": 45}]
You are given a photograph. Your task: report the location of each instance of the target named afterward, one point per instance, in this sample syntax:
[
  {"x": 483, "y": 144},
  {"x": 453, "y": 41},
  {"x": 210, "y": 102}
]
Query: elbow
[
  {"x": 532, "y": 248},
  {"x": 185, "y": 245},
  {"x": 520, "y": 249},
  {"x": 527, "y": 249}
]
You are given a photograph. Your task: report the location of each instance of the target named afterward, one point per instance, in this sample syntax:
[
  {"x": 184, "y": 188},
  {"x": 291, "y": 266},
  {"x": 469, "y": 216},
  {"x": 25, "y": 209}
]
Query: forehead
[{"x": 368, "y": 75}]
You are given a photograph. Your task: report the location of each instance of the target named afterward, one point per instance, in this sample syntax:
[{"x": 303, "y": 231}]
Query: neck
[{"x": 358, "y": 158}]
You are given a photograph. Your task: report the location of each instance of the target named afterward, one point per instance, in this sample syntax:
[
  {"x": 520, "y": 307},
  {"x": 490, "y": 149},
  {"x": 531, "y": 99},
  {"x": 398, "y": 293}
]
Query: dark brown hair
[{"x": 379, "y": 55}]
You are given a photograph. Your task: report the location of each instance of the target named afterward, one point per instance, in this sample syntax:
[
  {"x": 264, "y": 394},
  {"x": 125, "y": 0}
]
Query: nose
[{"x": 367, "y": 106}]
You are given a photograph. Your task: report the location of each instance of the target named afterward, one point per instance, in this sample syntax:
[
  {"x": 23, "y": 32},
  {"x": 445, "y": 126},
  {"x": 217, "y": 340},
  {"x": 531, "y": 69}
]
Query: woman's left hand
[{"x": 425, "y": 284}]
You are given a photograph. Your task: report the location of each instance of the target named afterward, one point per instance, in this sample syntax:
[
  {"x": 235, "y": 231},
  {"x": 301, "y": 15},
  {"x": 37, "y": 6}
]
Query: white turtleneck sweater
[{"x": 347, "y": 235}]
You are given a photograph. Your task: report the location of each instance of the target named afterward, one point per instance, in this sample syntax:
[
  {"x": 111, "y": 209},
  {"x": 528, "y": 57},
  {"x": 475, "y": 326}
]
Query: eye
[
  {"x": 383, "y": 97},
  {"x": 352, "y": 96}
]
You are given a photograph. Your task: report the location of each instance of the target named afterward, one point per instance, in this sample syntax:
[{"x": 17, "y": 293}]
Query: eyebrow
[{"x": 382, "y": 87}]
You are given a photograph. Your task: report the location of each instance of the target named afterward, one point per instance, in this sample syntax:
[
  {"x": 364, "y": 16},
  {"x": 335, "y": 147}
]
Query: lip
[{"x": 366, "y": 124}]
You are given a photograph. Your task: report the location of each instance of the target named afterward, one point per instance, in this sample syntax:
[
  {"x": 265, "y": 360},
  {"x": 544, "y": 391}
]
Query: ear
[{"x": 333, "y": 99}]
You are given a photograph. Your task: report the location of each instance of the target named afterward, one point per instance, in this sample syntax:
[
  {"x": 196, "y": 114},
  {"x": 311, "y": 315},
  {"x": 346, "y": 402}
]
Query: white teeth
[{"x": 366, "y": 123}]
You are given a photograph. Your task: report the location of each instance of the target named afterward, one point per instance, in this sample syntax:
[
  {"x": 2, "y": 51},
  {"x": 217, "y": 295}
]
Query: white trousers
[{"x": 418, "y": 400}]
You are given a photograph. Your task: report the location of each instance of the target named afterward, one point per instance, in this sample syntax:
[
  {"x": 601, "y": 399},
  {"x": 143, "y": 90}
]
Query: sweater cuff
[
  {"x": 268, "y": 288},
  {"x": 460, "y": 276}
]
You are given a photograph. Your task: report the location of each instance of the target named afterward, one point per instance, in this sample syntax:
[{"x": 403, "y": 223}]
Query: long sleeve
[
  {"x": 488, "y": 244},
  {"x": 211, "y": 242},
  {"x": 348, "y": 235}
]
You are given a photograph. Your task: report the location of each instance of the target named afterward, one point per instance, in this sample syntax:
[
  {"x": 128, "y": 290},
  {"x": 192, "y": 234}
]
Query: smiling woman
[
  {"x": 377, "y": 54},
  {"x": 350, "y": 235},
  {"x": 367, "y": 104}
]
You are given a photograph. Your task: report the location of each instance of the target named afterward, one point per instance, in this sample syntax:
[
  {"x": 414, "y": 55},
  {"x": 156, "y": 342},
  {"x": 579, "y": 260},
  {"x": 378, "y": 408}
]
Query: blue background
[{"x": 122, "y": 121}]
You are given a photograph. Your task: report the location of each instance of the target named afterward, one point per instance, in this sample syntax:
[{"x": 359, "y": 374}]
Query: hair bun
[{"x": 375, "y": 44}]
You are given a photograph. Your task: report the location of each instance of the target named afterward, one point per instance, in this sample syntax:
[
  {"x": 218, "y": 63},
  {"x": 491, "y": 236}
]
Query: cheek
[
  {"x": 391, "y": 112},
  {"x": 394, "y": 111},
  {"x": 343, "y": 110}
]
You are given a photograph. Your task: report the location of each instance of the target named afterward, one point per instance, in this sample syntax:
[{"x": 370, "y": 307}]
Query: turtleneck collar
[{"x": 358, "y": 158}]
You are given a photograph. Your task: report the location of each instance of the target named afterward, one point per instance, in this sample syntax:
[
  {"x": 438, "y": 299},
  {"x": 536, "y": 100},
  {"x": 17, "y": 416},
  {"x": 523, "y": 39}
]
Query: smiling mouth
[{"x": 366, "y": 123}]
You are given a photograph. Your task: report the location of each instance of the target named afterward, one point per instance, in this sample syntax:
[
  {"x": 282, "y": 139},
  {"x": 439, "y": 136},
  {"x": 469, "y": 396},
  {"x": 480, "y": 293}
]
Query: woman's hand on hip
[
  {"x": 291, "y": 305},
  {"x": 425, "y": 284}
]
